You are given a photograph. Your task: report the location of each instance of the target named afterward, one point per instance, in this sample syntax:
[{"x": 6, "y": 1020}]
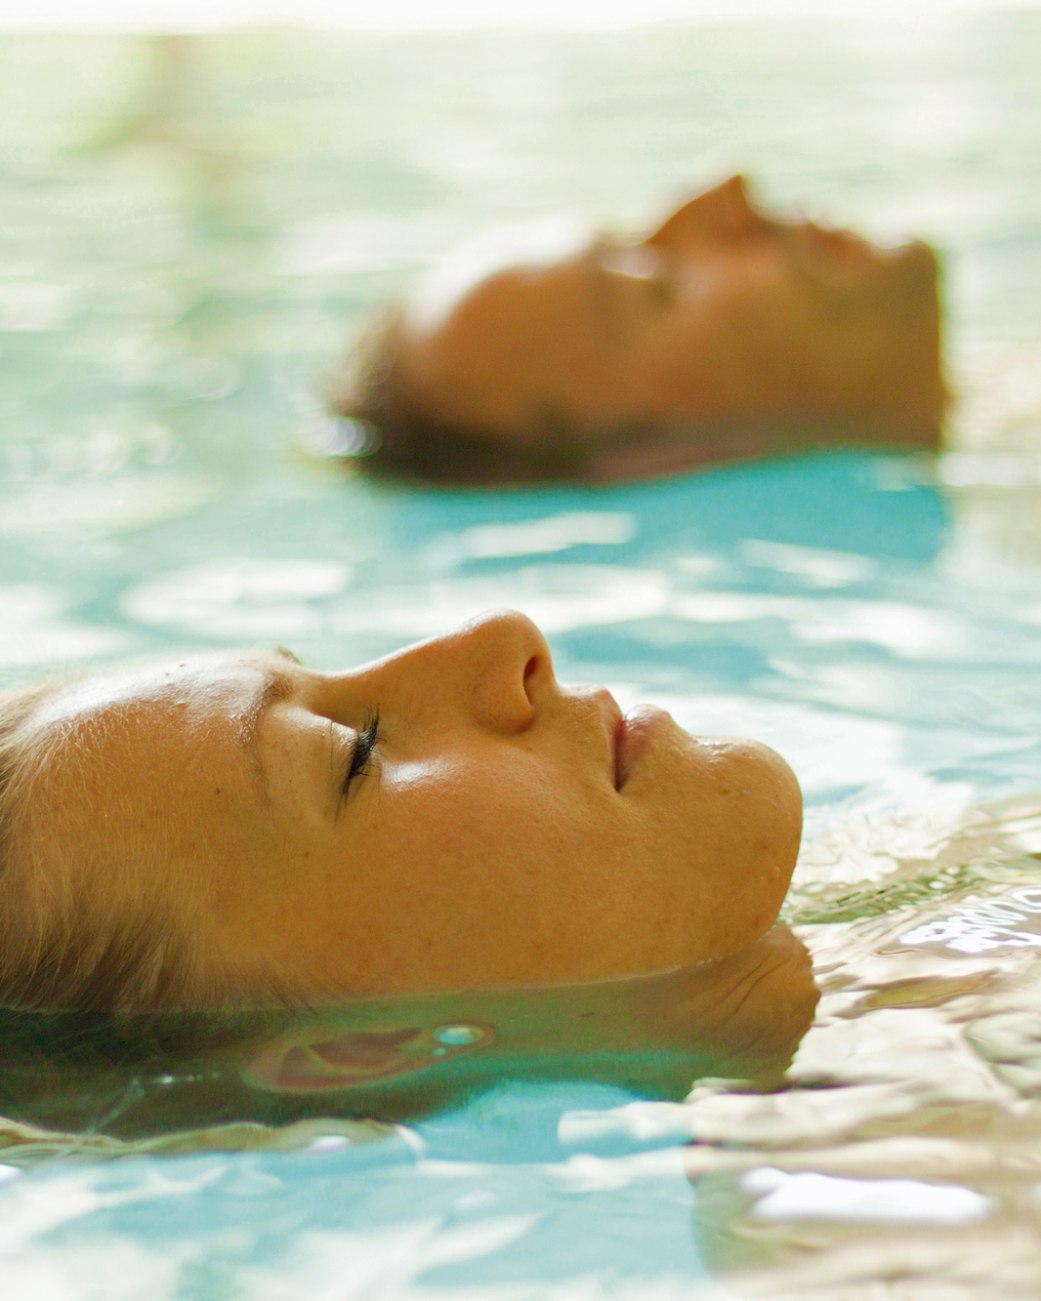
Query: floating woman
[
  {"x": 238, "y": 830},
  {"x": 558, "y": 353}
]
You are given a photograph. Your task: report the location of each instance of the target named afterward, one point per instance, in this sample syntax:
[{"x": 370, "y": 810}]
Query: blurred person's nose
[{"x": 723, "y": 212}]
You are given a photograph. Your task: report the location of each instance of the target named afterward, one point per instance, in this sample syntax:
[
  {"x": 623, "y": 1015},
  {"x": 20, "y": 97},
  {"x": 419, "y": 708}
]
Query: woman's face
[
  {"x": 494, "y": 828},
  {"x": 721, "y": 313}
]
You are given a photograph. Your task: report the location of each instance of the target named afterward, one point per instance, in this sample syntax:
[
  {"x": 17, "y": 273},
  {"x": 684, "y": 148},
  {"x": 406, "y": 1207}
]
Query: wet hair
[
  {"x": 137, "y": 1075},
  {"x": 68, "y": 939},
  {"x": 385, "y": 430}
]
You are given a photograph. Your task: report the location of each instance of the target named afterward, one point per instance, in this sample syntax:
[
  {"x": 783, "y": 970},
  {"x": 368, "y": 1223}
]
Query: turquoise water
[{"x": 190, "y": 229}]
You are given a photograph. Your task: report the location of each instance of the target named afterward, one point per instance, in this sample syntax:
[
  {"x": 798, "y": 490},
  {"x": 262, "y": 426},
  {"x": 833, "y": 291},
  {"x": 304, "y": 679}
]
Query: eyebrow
[{"x": 276, "y": 685}]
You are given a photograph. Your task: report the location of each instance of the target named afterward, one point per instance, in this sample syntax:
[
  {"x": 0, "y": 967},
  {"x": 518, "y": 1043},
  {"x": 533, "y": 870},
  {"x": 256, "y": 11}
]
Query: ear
[{"x": 323, "y": 1059}]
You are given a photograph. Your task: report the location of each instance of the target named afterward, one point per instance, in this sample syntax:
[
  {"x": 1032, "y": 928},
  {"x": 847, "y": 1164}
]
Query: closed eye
[
  {"x": 360, "y": 763},
  {"x": 649, "y": 268}
]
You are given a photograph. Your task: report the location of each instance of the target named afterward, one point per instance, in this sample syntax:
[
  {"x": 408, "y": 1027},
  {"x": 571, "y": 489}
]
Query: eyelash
[{"x": 364, "y": 747}]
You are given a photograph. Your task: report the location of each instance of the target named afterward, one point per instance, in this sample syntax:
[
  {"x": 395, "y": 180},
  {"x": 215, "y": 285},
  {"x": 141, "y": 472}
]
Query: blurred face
[
  {"x": 492, "y": 828},
  {"x": 721, "y": 314}
]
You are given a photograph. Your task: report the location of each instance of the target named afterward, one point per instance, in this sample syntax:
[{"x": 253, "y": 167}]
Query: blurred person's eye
[{"x": 652, "y": 269}]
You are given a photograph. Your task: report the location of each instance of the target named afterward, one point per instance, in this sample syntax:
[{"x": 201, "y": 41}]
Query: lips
[{"x": 635, "y": 733}]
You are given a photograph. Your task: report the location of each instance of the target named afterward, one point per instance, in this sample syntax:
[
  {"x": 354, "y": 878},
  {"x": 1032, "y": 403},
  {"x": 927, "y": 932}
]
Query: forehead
[
  {"x": 501, "y": 342},
  {"x": 121, "y": 725},
  {"x": 529, "y": 247},
  {"x": 201, "y": 684},
  {"x": 131, "y": 754}
]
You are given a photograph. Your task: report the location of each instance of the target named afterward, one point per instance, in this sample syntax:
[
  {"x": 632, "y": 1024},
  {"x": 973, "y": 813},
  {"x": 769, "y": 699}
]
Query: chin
[
  {"x": 915, "y": 275},
  {"x": 774, "y": 810},
  {"x": 764, "y": 775},
  {"x": 751, "y": 811}
]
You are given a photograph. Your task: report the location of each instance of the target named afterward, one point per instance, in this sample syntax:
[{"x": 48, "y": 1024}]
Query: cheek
[
  {"x": 480, "y": 874},
  {"x": 774, "y": 311},
  {"x": 473, "y": 872},
  {"x": 747, "y": 839},
  {"x": 495, "y": 829},
  {"x": 732, "y": 346},
  {"x": 523, "y": 873}
]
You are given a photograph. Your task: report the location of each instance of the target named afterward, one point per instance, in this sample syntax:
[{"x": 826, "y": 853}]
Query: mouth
[
  {"x": 832, "y": 248},
  {"x": 634, "y": 735},
  {"x": 617, "y": 750},
  {"x": 615, "y": 726}
]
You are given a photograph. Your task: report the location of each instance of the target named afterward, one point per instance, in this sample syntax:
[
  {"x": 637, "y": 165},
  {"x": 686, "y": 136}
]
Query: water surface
[{"x": 191, "y": 227}]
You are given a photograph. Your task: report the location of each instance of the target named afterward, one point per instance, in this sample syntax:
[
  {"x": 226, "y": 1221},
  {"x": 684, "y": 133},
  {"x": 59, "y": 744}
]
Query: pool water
[{"x": 191, "y": 228}]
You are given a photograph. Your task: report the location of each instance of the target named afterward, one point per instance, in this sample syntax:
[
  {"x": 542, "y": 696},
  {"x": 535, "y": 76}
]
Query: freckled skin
[{"x": 487, "y": 846}]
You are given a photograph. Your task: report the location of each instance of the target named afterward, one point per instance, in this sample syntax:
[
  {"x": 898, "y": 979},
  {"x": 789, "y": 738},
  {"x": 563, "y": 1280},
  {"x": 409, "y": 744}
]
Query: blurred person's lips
[{"x": 833, "y": 245}]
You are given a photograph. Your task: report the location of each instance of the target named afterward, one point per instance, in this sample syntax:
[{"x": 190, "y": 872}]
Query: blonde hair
[{"x": 70, "y": 938}]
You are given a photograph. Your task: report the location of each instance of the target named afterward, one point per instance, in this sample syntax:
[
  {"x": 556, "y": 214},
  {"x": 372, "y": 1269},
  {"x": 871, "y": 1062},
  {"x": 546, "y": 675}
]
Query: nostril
[{"x": 530, "y": 669}]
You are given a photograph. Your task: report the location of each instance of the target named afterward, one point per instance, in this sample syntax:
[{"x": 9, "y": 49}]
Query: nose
[
  {"x": 493, "y": 672},
  {"x": 722, "y": 212}
]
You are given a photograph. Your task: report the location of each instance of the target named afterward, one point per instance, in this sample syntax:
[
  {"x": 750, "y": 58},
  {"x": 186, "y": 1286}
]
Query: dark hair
[{"x": 386, "y": 431}]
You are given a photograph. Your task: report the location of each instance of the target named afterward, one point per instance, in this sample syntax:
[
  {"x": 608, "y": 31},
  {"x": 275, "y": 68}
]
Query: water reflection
[
  {"x": 779, "y": 1196},
  {"x": 405, "y": 1058},
  {"x": 906, "y": 1142}
]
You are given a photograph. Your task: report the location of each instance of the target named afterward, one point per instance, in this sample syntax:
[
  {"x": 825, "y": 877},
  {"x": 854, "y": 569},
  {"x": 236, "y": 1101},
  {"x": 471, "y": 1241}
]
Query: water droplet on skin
[{"x": 460, "y": 1036}]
